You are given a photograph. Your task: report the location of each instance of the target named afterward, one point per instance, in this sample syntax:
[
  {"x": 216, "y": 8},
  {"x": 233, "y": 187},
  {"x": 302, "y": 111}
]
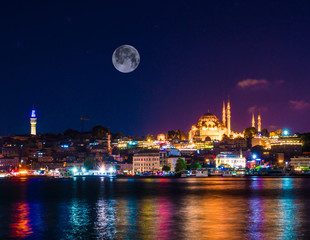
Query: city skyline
[
  {"x": 222, "y": 130},
  {"x": 168, "y": 119},
  {"x": 192, "y": 57}
]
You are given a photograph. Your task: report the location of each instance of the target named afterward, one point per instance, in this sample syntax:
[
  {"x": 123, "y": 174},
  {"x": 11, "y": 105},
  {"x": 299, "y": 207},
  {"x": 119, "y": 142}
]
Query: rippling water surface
[{"x": 192, "y": 208}]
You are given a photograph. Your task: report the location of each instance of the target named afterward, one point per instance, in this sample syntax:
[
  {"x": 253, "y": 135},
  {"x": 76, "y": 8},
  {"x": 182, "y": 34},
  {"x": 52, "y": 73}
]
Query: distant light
[
  {"x": 111, "y": 169},
  {"x": 83, "y": 170},
  {"x": 286, "y": 132},
  {"x": 102, "y": 169},
  {"x": 74, "y": 170},
  {"x": 254, "y": 156}
]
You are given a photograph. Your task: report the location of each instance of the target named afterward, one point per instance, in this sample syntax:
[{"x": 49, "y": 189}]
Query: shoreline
[{"x": 153, "y": 177}]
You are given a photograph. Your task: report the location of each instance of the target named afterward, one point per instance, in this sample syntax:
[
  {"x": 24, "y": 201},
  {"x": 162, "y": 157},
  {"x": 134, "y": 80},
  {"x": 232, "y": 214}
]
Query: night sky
[{"x": 58, "y": 57}]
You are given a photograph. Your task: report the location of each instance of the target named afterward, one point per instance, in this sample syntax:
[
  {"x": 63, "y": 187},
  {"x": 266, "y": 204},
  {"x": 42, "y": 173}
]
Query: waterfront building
[
  {"x": 146, "y": 162},
  {"x": 289, "y": 145},
  {"x": 232, "y": 144},
  {"x": 10, "y": 151},
  {"x": 227, "y": 158},
  {"x": 9, "y": 163},
  {"x": 261, "y": 141},
  {"x": 169, "y": 157},
  {"x": 210, "y": 128},
  {"x": 45, "y": 158},
  {"x": 299, "y": 162},
  {"x": 33, "y": 123}
]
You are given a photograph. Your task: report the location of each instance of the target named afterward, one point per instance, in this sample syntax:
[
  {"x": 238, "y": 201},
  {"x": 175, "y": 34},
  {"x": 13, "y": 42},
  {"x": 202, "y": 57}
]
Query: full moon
[{"x": 126, "y": 58}]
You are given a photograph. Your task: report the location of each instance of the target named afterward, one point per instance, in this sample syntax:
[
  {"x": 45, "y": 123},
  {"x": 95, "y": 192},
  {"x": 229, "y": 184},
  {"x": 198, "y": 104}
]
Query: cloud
[
  {"x": 253, "y": 83},
  {"x": 279, "y": 82},
  {"x": 272, "y": 127},
  {"x": 254, "y": 109},
  {"x": 299, "y": 104}
]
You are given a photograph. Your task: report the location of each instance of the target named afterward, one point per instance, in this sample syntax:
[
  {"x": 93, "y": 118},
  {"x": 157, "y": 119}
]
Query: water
[{"x": 192, "y": 208}]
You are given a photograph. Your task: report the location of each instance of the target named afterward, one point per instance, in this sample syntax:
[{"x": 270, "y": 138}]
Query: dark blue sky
[{"x": 194, "y": 54}]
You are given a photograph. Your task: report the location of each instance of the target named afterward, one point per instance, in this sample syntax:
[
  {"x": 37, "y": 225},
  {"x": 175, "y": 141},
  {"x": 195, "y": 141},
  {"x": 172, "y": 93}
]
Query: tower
[
  {"x": 109, "y": 144},
  {"x": 224, "y": 115},
  {"x": 33, "y": 122},
  {"x": 228, "y": 118},
  {"x": 253, "y": 120},
  {"x": 259, "y": 123}
]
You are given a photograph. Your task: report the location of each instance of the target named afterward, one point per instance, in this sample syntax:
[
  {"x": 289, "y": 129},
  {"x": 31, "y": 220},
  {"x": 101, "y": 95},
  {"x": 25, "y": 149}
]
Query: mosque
[{"x": 209, "y": 126}]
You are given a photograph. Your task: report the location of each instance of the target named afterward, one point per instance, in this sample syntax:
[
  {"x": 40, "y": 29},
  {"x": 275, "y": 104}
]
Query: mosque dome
[{"x": 208, "y": 117}]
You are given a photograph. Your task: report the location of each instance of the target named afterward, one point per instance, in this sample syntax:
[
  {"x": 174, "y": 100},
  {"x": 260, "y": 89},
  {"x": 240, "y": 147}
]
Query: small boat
[
  {"x": 239, "y": 173},
  {"x": 184, "y": 174},
  {"x": 215, "y": 172},
  {"x": 62, "y": 173},
  {"x": 202, "y": 172},
  {"x": 227, "y": 173}
]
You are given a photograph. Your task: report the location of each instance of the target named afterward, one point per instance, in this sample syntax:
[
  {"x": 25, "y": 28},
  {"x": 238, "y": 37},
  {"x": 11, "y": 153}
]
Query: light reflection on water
[
  {"x": 210, "y": 208},
  {"x": 20, "y": 223}
]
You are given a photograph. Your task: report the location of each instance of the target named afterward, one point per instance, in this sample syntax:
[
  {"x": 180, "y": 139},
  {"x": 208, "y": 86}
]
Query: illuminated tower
[
  {"x": 253, "y": 120},
  {"x": 109, "y": 144},
  {"x": 224, "y": 115},
  {"x": 33, "y": 122},
  {"x": 228, "y": 117},
  {"x": 259, "y": 123}
]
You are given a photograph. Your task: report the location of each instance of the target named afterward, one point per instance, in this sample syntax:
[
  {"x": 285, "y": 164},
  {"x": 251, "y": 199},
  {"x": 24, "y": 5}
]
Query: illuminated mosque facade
[{"x": 209, "y": 126}]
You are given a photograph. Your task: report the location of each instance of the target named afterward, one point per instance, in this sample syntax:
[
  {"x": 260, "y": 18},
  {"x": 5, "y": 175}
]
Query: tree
[
  {"x": 225, "y": 137},
  {"x": 265, "y": 132},
  {"x": 171, "y": 135},
  {"x": 176, "y": 135},
  {"x": 117, "y": 135},
  {"x": 166, "y": 168},
  {"x": 257, "y": 150},
  {"x": 183, "y": 136},
  {"x": 195, "y": 165},
  {"x": 180, "y": 165},
  {"x": 71, "y": 133},
  {"x": 89, "y": 163},
  {"x": 150, "y": 137},
  {"x": 99, "y": 131},
  {"x": 250, "y": 132},
  {"x": 305, "y": 138},
  {"x": 276, "y": 133}
]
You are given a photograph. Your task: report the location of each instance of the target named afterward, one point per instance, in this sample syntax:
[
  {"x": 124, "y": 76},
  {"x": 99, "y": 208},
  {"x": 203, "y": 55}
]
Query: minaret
[
  {"x": 228, "y": 118},
  {"x": 253, "y": 120},
  {"x": 259, "y": 123},
  {"x": 33, "y": 122},
  {"x": 224, "y": 115}
]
